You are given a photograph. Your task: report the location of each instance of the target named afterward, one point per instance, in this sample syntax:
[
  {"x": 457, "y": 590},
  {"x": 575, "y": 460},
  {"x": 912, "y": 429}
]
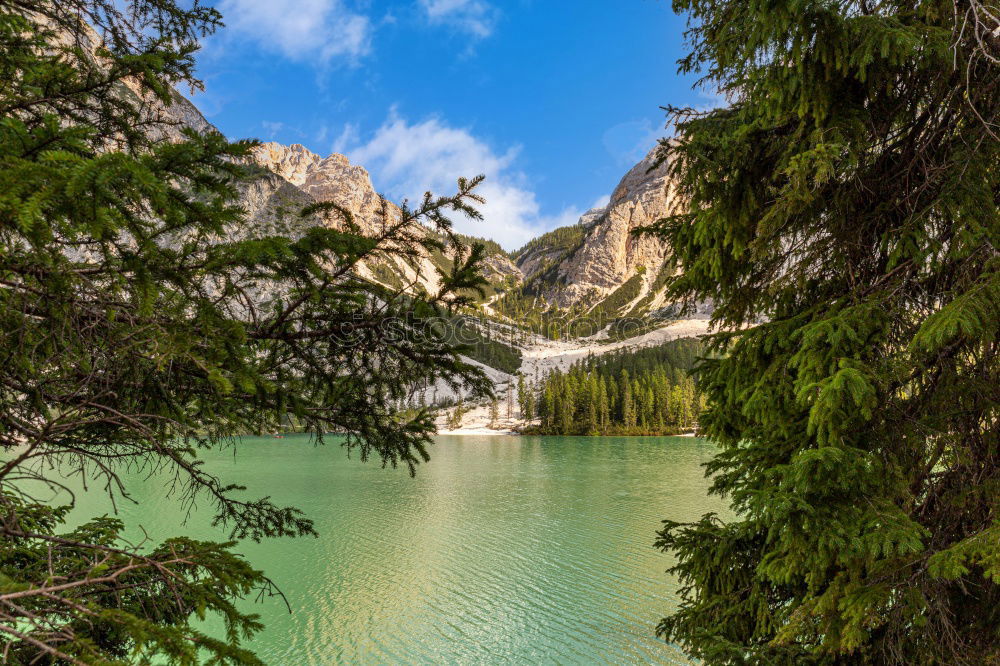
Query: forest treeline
[
  {"x": 636, "y": 392},
  {"x": 489, "y": 345}
]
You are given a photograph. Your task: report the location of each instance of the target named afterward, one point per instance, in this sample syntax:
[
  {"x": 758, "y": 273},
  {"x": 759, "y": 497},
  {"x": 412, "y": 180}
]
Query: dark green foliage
[
  {"x": 481, "y": 339},
  {"x": 131, "y": 606},
  {"x": 530, "y": 312},
  {"x": 491, "y": 247},
  {"x": 610, "y": 307},
  {"x": 681, "y": 355},
  {"x": 630, "y": 392},
  {"x": 489, "y": 351},
  {"x": 141, "y": 321},
  {"x": 525, "y": 398},
  {"x": 560, "y": 242},
  {"x": 843, "y": 216},
  {"x": 585, "y": 318}
]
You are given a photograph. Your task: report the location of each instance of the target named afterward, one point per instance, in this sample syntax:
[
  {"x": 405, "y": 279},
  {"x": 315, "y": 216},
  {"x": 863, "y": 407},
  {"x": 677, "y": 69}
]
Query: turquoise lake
[{"x": 520, "y": 550}]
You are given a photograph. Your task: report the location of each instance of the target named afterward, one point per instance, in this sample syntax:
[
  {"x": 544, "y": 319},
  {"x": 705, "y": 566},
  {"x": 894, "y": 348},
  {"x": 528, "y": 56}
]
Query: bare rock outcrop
[
  {"x": 331, "y": 178},
  {"x": 336, "y": 180},
  {"x": 607, "y": 253}
]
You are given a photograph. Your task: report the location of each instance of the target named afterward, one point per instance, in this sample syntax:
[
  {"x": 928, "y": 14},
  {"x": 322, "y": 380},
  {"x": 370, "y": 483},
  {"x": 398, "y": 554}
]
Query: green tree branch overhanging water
[{"x": 136, "y": 330}]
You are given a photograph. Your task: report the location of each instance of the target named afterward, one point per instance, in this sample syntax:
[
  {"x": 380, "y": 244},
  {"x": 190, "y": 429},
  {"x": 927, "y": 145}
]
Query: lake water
[{"x": 501, "y": 550}]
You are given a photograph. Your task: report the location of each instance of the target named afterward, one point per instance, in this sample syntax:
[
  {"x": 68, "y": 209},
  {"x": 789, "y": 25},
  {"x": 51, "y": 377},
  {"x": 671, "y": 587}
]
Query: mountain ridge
[
  {"x": 596, "y": 266},
  {"x": 597, "y": 269}
]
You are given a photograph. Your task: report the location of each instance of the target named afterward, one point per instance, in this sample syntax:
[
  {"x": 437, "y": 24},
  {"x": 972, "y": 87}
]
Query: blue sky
[{"x": 552, "y": 100}]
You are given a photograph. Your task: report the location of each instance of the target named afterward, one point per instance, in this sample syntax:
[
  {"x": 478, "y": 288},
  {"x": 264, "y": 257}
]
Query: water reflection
[{"x": 502, "y": 549}]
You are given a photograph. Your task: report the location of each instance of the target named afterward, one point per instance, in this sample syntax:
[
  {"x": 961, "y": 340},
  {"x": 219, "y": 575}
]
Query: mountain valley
[{"x": 573, "y": 292}]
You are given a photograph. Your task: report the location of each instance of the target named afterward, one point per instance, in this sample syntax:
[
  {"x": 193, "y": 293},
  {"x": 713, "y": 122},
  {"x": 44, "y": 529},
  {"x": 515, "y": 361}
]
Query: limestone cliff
[
  {"x": 611, "y": 253},
  {"x": 335, "y": 179},
  {"x": 584, "y": 264},
  {"x": 331, "y": 178}
]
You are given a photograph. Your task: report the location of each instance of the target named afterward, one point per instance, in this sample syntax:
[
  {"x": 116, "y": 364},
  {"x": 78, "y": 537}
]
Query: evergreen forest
[{"x": 632, "y": 392}]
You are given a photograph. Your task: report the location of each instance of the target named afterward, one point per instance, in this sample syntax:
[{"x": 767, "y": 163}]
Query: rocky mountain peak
[
  {"x": 300, "y": 166},
  {"x": 293, "y": 163},
  {"x": 331, "y": 178},
  {"x": 608, "y": 254},
  {"x": 592, "y": 216},
  {"x": 645, "y": 178}
]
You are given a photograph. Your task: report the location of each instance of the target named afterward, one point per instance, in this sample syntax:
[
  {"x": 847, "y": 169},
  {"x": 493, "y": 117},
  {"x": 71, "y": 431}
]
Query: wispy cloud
[
  {"x": 271, "y": 128},
  {"x": 407, "y": 159},
  {"x": 601, "y": 201},
  {"x": 477, "y": 17},
  {"x": 630, "y": 141},
  {"x": 305, "y": 30},
  {"x": 348, "y": 137}
]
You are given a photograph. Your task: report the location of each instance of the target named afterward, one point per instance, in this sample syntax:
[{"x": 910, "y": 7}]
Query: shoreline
[
  {"x": 541, "y": 356},
  {"x": 468, "y": 432}
]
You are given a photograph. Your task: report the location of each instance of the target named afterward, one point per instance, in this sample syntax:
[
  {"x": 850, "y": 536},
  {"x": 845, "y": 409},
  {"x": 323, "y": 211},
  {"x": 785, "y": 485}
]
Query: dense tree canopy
[
  {"x": 140, "y": 320},
  {"x": 630, "y": 392},
  {"x": 843, "y": 214}
]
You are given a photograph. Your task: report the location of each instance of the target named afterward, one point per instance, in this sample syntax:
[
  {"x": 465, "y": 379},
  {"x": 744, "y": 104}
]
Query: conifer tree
[
  {"x": 568, "y": 407},
  {"x": 546, "y": 408},
  {"x": 628, "y": 404},
  {"x": 141, "y": 320},
  {"x": 842, "y": 214},
  {"x": 675, "y": 407},
  {"x": 604, "y": 408},
  {"x": 454, "y": 421},
  {"x": 592, "y": 397},
  {"x": 529, "y": 404},
  {"x": 648, "y": 407},
  {"x": 494, "y": 412},
  {"x": 522, "y": 397}
]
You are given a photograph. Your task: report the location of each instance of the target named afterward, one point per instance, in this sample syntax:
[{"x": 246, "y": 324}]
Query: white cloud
[
  {"x": 713, "y": 98},
  {"x": 272, "y": 128},
  {"x": 601, "y": 202},
  {"x": 301, "y": 29},
  {"x": 476, "y": 17},
  {"x": 630, "y": 141},
  {"x": 407, "y": 160},
  {"x": 347, "y": 137}
]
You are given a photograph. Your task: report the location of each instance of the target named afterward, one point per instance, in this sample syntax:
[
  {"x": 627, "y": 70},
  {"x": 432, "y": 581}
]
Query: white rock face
[
  {"x": 610, "y": 254},
  {"x": 332, "y": 178},
  {"x": 592, "y": 217},
  {"x": 293, "y": 163},
  {"x": 336, "y": 180}
]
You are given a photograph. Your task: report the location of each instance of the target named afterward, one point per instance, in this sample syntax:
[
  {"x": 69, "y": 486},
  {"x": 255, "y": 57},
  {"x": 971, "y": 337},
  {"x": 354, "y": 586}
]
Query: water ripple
[{"x": 502, "y": 550}]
